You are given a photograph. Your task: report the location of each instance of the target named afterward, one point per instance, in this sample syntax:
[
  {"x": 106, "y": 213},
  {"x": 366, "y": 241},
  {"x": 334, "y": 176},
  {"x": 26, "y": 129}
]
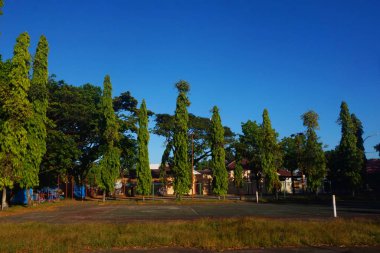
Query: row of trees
[
  {"x": 80, "y": 134},
  {"x": 23, "y": 115},
  {"x": 344, "y": 166},
  {"x": 49, "y": 128}
]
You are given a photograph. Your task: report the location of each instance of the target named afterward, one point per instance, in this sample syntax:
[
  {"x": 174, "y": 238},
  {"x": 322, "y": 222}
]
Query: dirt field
[{"x": 123, "y": 212}]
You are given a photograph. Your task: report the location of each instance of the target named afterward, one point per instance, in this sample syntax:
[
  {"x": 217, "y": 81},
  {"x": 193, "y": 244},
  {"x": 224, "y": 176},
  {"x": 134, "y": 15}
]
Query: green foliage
[
  {"x": 293, "y": 148},
  {"x": 350, "y": 160},
  {"x": 314, "y": 160},
  {"x": 250, "y": 144},
  {"x": 270, "y": 154},
  {"x": 358, "y": 126},
  {"x": 15, "y": 111},
  {"x": 181, "y": 166},
  {"x": 35, "y": 126},
  {"x": 73, "y": 114},
  {"x": 144, "y": 176},
  {"x": 220, "y": 175},
  {"x": 1, "y": 6},
  {"x": 199, "y": 127},
  {"x": 109, "y": 164},
  {"x": 238, "y": 172},
  {"x": 377, "y": 148},
  {"x": 5, "y": 70},
  {"x": 258, "y": 144},
  {"x": 125, "y": 106}
]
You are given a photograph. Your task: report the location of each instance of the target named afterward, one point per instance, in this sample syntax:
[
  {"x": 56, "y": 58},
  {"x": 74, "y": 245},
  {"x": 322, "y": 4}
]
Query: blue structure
[
  {"x": 79, "y": 191},
  {"x": 21, "y": 197}
]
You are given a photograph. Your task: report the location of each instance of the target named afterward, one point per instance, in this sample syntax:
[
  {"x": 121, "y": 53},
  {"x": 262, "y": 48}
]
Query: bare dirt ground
[{"x": 123, "y": 212}]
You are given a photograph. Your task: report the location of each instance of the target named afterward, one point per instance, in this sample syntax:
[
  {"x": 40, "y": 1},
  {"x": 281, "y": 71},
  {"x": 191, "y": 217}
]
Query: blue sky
[{"x": 243, "y": 56}]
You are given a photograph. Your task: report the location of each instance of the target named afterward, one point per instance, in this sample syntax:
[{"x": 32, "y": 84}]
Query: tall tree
[
  {"x": 36, "y": 125},
  {"x": 199, "y": 127},
  {"x": 73, "y": 132},
  {"x": 181, "y": 167},
  {"x": 377, "y": 148},
  {"x": 16, "y": 110},
  {"x": 238, "y": 172},
  {"x": 144, "y": 176},
  {"x": 220, "y": 175},
  {"x": 270, "y": 154},
  {"x": 292, "y": 148},
  {"x": 314, "y": 160},
  {"x": 249, "y": 148},
  {"x": 125, "y": 106},
  {"x": 109, "y": 164},
  {"x": 358, "y": 126},
  {"x": 350, "y": 157}
]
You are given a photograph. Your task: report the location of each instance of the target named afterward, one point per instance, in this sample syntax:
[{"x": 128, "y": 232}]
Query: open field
[
  {"x": 90, "y": 226},
  {"x": 128, "y": 211}
]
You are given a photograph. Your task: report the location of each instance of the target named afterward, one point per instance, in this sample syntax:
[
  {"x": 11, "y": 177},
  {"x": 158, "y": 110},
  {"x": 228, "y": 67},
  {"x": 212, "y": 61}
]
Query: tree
[
  {"x": 36, "y": 125},
  {"x": 314, "y": 160},
  {"x": 1, "y": 6},
  {"x": 73, "y": 113},
  {"x": 358, "y": 126},
  {"x": 249, "y": 148},
  {"x": 238, "y": 172},
  {"x": 292, "y": 148},
  {"x": 350, "y": 157},
  {"x": 125, "y": 106},
  {"x": 199, "y": 128},
  {"x": 377, "y": 148},
  {"x": 270, "y": 154},
  {"x": 15, "y": 111},
  {"x": 181, "y": 166},
  {"x": 144, "y": 176},
  {"x": 109, "y": 164},
  {"x": 220, "y": 175}
]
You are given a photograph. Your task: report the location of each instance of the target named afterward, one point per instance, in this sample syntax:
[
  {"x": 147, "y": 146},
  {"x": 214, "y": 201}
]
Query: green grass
[{"x": 211, "y": 234}]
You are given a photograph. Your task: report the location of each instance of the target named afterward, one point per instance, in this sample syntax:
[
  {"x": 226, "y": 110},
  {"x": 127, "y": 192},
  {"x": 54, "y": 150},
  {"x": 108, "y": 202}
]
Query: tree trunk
[
  {"x": 4, "y": 204},
  {"x": 104, "y": 196},
  {"x": 29, "y": 199},
  {"x": 353, "y": 193}
]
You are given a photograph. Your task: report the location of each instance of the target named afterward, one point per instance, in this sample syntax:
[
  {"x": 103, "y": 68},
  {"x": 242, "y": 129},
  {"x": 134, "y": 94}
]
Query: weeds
[{"x": 210, "y": 234}]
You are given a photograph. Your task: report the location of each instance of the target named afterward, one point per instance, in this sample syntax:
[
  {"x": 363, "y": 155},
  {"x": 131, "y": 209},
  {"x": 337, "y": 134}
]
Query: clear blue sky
[{"x": 243, "y": 56}]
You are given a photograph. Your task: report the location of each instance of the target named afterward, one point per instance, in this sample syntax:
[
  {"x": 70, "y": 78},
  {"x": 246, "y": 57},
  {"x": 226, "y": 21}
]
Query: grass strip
[{"x": 210, "y": 234}]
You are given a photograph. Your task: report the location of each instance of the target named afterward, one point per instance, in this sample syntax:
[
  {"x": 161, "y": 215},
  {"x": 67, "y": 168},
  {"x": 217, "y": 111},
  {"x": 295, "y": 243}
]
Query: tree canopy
[
  {"x": 270, "y": 154},
  {"x": 109, "y": 164},
  {"x": 350, "y": 157},
  {"x": 220, "y": 175},
  {"x": 16, "y": 110},
  {"x": 36, "y": 125},
  {"x": 144, "y": 176},
  {"x": 181, "y": 166},
  {"x": 74, "y": 113},
  {"x": 200, "y": 130},
  {"x": 314, "y": 161}
]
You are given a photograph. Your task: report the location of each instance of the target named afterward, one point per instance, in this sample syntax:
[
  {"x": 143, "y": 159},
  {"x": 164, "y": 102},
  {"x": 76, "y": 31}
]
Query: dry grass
[{"x": 215, "y": 234}]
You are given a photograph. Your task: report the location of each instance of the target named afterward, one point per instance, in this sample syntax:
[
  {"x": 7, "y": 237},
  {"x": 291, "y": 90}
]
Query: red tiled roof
[
  {"x": 284, "y": 173},
  {"x": 373, "y": 166},
  {"x": 244, "y": 163}
]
